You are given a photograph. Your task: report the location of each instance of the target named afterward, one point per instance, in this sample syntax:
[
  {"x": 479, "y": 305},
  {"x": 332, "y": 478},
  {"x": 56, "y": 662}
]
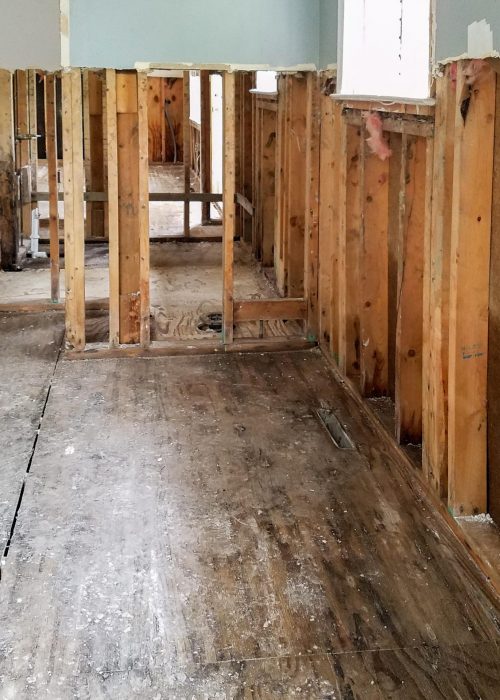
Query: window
[
  {"x": 385, "y": 48},
  {"x": 195, "y": 96},
  {"x": 267, "y": 81}
]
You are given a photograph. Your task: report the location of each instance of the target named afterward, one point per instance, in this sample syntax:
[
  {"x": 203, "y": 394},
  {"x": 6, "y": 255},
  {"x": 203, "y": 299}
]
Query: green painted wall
[
  {"x": 452, "y": 20},
  {"x": 328, "y": 32},
  {"x": 120, "y": 33}
]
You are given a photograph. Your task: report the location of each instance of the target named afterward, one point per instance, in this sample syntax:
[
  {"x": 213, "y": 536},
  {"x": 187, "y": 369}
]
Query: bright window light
[
  {"x": 195, "y": 97},
  {"x": 386, "y": 48},
  {"x": 267, "y": 81}
]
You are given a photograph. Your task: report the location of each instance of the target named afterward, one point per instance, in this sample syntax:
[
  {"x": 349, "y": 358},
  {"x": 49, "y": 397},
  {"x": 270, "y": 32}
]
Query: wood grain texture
[
  {"x": 246, "y": 82},
  {"x": 113, "y": 223},
  {"x": 352, "y": 206},
  {"x": 8, "y": 190},
  {"x": 50, "y": 97},
  {"x": 326, "y": 283},
  {"x": 396, "y": 204},
  {"x": 95, "y": 221},
  {"x": 231, "y": 556},
  {"x": 279, "y": 219},
  {"x": 296, "y": 186},
  {"x": 374, "y": 277},
  {"x": 143, "y": 167},
  {"x": 23, "y": 148},
  {"x": 74, "y": 225},
  {"x": 186, "y": 140},
  {"x": 313, "y": 156},
  {"x": 270, "y": 309},
  {"x": 133, "y": 216},
  {"x": 267, "y": 183},
  {"x": 410, "y": 290},
  {"x": 205, "y": 141},
  {"x": 437, "y": 293},
  {"x": 494, "y": 335},
  {"x": 229, "y": 205},
  {"x": 469, "y": 297}
]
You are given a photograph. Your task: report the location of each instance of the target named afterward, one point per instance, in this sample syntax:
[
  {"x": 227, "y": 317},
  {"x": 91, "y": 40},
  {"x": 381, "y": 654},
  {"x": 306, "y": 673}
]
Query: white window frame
[{"x": 401, "y": 95}]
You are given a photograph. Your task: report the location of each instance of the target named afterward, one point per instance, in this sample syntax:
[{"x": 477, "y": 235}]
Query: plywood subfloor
[
  {"x": 189, "y": 530},
  {"x": 29, "y": 346},
  {"x": 166, "y": 219},
  {"x": 186, "y": 284}
]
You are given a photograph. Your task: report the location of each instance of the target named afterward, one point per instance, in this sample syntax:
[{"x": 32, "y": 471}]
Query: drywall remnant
[
  {"x": 479, "y": 39},
  {"x": 481, "y": 519},
  {"x": 377, "y": 143},
  {"x": 474, "y": 71}
]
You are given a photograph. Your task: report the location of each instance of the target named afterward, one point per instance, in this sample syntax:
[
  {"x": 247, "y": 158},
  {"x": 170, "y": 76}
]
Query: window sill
[
  {"x": 387, "y": 104},
  {"x": 264, "y": 93}
]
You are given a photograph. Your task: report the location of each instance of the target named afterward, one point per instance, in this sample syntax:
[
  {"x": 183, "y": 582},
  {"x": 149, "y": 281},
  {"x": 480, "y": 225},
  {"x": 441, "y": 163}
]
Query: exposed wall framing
[
  {"x": 291, "y": 185},
  {"x": 403, "y": 285},
  {"x": 165, "y": 120},
  {"x": 50, "y": 94},
  {"x": 8, "y": 189},
  {"x": 74, "y": 226},
  {"x": 95, "y": 220},
  {"x": 264, "y": 175},
  {"x": 373, "y": 255}
]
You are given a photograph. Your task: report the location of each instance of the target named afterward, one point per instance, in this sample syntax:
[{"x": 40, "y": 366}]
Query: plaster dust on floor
[
  {"x": 185, "y": 286},
  {"x": 189, "y": 530}
]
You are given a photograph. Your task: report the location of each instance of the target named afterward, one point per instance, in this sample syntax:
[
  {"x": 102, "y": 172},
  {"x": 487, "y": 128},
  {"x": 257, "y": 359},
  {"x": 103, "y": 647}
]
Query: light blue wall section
[
  {"x": 29, "y": 34},
  {"x": 328, "y": 32},
  {"x": 120, "y": 33},
  {"x": 452, "y": 20}
]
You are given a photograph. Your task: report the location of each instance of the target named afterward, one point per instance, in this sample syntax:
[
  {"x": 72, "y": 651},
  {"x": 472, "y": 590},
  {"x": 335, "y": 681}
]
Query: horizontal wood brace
[
  {"x": 401, "y": 124},
  {"x": 264, "y": 104},
  {"x": 419, "y": 107},
  {"x": 35, "y": 307},
  {"x": 96, "y": 351},
  {"x": 270, "y": 310},
  {"x": 153, "y": 197}
]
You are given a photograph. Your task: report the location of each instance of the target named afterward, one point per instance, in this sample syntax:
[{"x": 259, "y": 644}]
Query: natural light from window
[
  {"x": 195, "y": 97},
  {"x": 386, "y": 48},
  {"x": 267, "y": 81}
]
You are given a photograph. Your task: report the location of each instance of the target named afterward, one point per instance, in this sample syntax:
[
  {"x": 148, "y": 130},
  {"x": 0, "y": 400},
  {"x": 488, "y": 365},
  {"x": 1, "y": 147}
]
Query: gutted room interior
[{"x": 250, "y": 349}]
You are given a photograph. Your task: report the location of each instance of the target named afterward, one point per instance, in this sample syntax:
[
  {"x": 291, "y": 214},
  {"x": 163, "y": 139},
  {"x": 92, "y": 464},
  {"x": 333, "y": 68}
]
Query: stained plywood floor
[
  {"x": 29, "y": 347},
  {"x": 186, "y": 284},
  {"x": 189, "y": 530}
]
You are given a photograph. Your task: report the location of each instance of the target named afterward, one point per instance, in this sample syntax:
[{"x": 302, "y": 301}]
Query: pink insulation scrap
[
  {"x": 377, "y": 143},
  {"x": 454, "y": 74}
]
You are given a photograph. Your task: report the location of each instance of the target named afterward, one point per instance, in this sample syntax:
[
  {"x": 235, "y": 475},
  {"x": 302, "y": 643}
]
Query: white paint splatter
[{"x": 484, "y": 518}]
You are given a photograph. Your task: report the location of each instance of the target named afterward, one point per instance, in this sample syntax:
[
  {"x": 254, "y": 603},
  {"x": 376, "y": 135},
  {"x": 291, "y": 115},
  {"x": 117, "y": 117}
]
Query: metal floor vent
[
  {"x": 335, "y": 429},
  {"x": 211, "y": 322}
]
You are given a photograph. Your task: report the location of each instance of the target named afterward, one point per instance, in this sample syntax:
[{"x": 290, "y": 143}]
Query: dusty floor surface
[
  {"x": 29, "y": 346},
  {"x": 189, "y": 530},
  {"x": 186, "y": 284}
]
